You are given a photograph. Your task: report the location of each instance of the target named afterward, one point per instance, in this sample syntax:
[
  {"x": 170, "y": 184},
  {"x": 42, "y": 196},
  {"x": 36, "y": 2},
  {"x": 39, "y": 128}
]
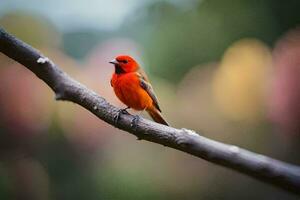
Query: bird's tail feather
[{"x": 156, "y": 116}]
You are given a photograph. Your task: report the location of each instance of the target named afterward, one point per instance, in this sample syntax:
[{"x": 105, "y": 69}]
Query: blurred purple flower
[{"x": 285, "y": 93}]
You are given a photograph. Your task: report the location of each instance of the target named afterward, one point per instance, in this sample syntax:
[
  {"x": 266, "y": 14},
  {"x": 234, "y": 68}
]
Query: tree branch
[{"x": 263, "y": 168}]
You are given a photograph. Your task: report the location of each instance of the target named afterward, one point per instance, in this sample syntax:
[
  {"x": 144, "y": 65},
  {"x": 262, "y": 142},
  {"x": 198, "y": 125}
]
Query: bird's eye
[{"x": 125, "y": 61}]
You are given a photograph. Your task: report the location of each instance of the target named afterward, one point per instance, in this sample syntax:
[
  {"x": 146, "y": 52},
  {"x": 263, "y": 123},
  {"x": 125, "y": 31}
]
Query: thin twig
[{"x": 263, "y": 168}]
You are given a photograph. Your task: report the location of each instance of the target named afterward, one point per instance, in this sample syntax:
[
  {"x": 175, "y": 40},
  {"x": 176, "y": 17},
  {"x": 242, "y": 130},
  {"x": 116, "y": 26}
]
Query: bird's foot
[
  {"x": 121, "y": 111},
  {"x": 135, "y": 121}
]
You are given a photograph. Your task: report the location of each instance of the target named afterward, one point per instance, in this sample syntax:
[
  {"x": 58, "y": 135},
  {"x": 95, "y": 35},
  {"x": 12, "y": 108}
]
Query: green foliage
[{"x": 177, "y": 39}]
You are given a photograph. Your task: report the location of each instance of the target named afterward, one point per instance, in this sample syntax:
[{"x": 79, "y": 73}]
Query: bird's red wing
[{"x": 144, "y": 83}]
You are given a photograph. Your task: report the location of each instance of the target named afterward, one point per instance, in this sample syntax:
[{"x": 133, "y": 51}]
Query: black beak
[{"x": 114, "y": 62}]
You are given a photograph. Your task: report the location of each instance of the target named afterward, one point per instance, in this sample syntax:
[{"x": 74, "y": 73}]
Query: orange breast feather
[{"x": 128, "y": 89}]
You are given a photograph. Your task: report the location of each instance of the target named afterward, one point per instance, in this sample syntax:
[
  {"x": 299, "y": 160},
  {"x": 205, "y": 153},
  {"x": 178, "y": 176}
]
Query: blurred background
[{"x": 226, "y": 69}]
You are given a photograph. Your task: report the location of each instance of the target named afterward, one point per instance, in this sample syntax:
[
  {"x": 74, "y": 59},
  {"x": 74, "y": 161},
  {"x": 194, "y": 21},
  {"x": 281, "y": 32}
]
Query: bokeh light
[{"x": 241, "y": 81}]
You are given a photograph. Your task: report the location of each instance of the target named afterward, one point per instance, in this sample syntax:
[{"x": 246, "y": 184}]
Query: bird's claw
[
  {"x": 121, "y": 111},
  {"x": 124, "y": 111},
  {"x": 134, "y": 121}
]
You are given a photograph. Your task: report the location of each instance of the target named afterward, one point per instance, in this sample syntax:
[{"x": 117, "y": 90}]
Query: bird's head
[{"x": 124, "y": 64}]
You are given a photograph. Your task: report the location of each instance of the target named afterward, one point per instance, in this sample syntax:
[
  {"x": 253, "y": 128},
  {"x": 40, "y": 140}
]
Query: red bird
[{"x": 132, "y": 87}]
